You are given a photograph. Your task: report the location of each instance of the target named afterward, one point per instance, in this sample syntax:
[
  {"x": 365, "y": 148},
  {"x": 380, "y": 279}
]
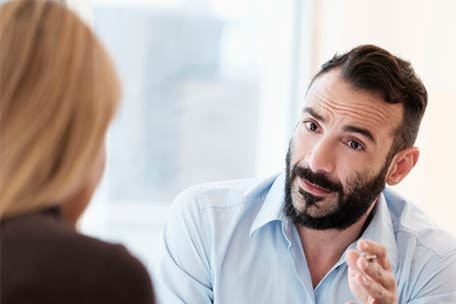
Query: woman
[{"x": 58, "y": 93}]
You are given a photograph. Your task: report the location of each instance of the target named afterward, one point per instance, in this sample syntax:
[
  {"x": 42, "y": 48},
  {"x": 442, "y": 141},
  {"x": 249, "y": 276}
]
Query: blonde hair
[{"x": 58, "y": 93}]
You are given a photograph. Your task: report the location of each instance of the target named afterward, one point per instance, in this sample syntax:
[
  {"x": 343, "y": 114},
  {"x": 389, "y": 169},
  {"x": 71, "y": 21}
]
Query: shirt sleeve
[
  {"x": 184, "y": 274},
  {"x": 438, "y": 282}
]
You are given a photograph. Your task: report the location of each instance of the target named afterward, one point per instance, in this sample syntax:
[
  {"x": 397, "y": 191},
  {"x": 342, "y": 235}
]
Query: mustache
[{"x": 318, "y": 179}]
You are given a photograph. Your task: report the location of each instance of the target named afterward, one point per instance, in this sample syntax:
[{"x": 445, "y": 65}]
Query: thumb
[{"x": 351, "y": 258}]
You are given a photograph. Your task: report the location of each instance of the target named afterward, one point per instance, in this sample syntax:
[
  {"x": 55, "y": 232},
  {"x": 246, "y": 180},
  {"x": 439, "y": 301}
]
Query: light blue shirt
[{"x": 230, "y": 243}]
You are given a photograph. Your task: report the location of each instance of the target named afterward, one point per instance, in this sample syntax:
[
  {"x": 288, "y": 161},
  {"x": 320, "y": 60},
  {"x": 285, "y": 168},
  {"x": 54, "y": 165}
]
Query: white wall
[{"x": 423, "y": 32}]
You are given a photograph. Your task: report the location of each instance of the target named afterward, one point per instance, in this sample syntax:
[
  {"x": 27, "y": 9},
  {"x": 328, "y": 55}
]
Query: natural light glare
[{"x": 206, "y": 96}]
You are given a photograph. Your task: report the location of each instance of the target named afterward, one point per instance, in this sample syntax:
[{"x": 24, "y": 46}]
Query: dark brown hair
[{"x": 373, "y": 69}]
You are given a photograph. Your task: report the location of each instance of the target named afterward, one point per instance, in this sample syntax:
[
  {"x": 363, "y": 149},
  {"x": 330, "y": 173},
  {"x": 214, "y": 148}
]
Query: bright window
[{"x": 208, "y": 92}]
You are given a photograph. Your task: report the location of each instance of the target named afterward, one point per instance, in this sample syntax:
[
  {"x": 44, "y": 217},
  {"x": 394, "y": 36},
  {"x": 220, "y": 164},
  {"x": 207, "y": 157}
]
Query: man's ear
[{"x": 402, "y": 163}]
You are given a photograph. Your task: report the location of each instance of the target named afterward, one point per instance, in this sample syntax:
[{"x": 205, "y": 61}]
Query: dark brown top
[{"x": 44, "y": 260}]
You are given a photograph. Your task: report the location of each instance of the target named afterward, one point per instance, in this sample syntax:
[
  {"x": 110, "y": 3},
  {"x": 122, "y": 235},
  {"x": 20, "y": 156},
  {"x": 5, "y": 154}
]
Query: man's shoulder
[
  {"x": 411, "y": 224},
  {"x": 223, "y": 194},
  {"x": 426, "y": 260}
]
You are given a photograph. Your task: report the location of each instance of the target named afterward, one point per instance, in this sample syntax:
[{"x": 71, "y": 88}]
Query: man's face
[{"x": 338, "y": 158}]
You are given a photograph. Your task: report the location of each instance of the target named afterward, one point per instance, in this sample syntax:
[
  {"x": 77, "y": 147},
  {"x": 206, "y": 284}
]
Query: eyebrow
[
  {"x": 313, "y": 113},
  {"x": 349, "y": 128},
  {"x": 362, "y": 131}
]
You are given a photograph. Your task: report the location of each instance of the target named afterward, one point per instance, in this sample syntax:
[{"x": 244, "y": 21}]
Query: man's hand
[{"x": 370, "y": 274}]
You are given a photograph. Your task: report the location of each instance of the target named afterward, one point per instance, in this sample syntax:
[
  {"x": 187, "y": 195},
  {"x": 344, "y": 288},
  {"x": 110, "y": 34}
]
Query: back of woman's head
[{"x": 58, "y": 93}]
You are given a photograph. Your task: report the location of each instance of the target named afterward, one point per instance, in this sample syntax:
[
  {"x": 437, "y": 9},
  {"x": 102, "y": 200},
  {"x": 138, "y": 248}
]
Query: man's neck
[{"x": 323, "y": 248}]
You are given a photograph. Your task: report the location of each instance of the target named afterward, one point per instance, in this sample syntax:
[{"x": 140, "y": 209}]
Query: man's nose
[{"x": 321, "y": 158}]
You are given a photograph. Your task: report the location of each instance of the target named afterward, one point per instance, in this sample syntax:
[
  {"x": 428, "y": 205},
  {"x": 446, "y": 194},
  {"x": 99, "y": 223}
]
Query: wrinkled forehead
[{"x": 333, "y": 97}]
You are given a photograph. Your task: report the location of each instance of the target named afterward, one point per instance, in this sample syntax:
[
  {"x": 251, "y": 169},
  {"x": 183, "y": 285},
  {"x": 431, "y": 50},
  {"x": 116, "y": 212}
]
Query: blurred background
[{"x": 212, "y": 90}]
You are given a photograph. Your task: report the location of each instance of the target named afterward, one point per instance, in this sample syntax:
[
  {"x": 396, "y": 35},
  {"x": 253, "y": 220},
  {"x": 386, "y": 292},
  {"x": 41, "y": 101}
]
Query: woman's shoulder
[{"x": 69, "y": 261}]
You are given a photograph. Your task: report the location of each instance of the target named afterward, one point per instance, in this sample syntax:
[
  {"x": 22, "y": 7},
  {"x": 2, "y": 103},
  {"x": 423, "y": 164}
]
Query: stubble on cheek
[
  {"x": 323, "y": 207},
  {"x": 298, "y": 200}
]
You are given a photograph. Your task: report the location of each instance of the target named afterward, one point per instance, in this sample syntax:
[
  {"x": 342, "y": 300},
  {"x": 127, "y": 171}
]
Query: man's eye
[
  {"x": 353, "y": 144},
  {"x": 311, "y": 126}
]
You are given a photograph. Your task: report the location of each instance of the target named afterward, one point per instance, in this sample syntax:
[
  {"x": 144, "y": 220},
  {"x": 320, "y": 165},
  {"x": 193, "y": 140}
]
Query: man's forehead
[{"x": 331, "y": 95}]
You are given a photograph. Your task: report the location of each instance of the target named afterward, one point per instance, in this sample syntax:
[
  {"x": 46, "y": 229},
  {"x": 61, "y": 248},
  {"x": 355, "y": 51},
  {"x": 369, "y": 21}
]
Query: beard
[{"x": 350, "y": 204}]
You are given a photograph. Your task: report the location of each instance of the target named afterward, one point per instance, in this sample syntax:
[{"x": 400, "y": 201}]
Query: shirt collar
[
  {"x": 272, "y": 208},
  {"x": 380, "y": 229}
]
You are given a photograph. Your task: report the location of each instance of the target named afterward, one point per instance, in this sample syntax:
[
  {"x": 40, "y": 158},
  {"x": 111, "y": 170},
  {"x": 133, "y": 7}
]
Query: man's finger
[
  {"x": 377, "y": 251},
  {"x": 376, "y": 272},
  {"x": 351, "y": 258},
  {"x": 375, "y": 290}
]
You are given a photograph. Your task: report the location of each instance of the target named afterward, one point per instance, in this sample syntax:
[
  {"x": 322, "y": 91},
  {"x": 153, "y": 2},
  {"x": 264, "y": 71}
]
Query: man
[{"x": 325, "y": 230}]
